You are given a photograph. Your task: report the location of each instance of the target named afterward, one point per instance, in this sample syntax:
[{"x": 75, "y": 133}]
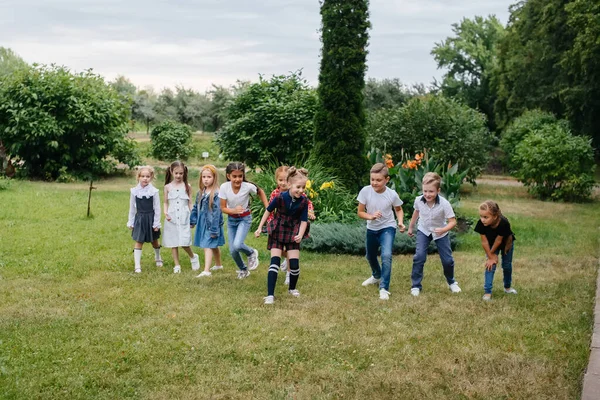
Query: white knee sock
[
  {"x": 157, "y": 253},
  {"x": 137, "y": 258}
]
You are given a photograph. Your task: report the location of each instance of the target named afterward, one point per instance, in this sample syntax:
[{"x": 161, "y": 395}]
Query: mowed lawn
[{"x": 77, "y": 323}]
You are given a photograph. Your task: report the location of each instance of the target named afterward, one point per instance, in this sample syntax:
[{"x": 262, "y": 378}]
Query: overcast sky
[{"x": 198, "y": 42}]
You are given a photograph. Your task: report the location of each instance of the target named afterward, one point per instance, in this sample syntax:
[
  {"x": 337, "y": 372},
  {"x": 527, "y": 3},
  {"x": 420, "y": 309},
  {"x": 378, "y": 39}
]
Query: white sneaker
[
  {"x": 284, "y": 264},
  {"x": 138, "y": 271},
  {"x": 454, "y": 288},
  {"x": 216, "y": 267},
  {"x": 287, "y": 278},
  {"x": 269, "y": 299},
  {"x": 243, "y": 274},
  {"x": 195, "y": 262},
  {"x": 384, "y": 294},
  {"x": 294, "y": 292},
  {"x": 203, "y": 273},
  {"x": 371, "y": 281},
  {"x": 159, "y": 262},
  {"x": 253, "y": 260},
  {"x": 177, "y": 269},
  {"x": 487, "y": 297},
  {"x": 510, "y": 291},
  {"x": 415, "y": 291}
]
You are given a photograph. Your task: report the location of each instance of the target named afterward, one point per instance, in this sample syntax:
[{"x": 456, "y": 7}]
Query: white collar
[{"x": 147, "y": 191}]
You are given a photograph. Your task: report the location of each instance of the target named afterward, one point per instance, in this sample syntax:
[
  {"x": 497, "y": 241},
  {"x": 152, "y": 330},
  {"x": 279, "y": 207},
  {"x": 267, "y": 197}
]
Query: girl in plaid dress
[
  {"x": 282, "y": 186},
  {"x": 286, "y": 230}
]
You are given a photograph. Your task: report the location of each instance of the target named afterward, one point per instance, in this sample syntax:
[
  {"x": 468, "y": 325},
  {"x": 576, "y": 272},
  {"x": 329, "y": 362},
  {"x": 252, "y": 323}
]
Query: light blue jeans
[
  {"x": 506, "y": 268},
  {"x": 237, "y": 229},
  {"x": 384, "y": 239},
  {"x": 445, "y": 251}
]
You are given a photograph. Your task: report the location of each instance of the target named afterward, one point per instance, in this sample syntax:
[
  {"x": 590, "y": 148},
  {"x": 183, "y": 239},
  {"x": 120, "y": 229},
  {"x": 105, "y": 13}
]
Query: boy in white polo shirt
[
  {"x": 436, "y": 219},
  {"x": 377, "y": 203}
]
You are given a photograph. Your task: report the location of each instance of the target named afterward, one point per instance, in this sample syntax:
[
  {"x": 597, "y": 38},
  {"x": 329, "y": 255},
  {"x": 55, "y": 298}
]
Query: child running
[
  {"x": 177, "y": 209},
  {"x": 282, "y": 186},
  {"x": 496, "y": 237},
  {"x": 207, "y": 217},
  {"x": 234, "y": 197},
  {"x": 436, "y": 218},
  {"x": 286, "y": 230},
  {"x": 377, "y": 203},
  {"x": 144, "y": 216}
]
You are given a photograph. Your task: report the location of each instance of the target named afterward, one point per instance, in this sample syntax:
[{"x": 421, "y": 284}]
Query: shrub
[
  {"x": 556, "y": 165},
  {"x": 350, "y": 239},
  {"x": 53, "y": 121},
  {"x": 270, "y": 121},
  {"x": 450, "y": 131},
  {"x": 514, "y": 134},
  {"x": 171, "y": 141}
]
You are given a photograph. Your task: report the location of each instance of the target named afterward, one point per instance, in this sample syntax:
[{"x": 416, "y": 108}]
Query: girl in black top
[{"x": 496, "y": 237}]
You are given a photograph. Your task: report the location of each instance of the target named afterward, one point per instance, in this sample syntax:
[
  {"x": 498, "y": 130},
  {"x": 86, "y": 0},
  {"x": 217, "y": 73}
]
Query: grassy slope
[{"x": 75, "y": 322}]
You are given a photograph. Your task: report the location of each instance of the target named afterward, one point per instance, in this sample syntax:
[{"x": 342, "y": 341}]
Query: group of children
[{"x": 287, "y": 215}]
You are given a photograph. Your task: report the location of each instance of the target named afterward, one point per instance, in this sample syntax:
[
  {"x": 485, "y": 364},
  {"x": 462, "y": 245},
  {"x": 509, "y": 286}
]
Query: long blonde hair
[{"x": 215, "y": 184}]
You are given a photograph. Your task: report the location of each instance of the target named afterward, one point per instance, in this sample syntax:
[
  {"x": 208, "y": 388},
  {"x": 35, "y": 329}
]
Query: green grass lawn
[{"x": 77, "y": 323}]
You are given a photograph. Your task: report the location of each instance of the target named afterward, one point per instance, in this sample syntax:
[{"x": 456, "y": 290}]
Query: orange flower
[
  {"x": 389, "y": 163},
  {"x": 418, "y": 157}
]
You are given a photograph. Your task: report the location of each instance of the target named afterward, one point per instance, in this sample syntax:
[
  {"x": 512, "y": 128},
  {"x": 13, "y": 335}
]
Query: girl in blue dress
[{"x": 207, "y": 216}]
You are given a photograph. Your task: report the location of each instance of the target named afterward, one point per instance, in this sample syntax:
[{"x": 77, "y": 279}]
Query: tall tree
[
  {"x": 9, "y": 61},
  {"x": 340, "y": 120},
  {"x": 471, "y": 58},
  {"x": 385, "y": 93},
  {"x": 144, "y": 104},
  {"x": 581, "y": 62}
]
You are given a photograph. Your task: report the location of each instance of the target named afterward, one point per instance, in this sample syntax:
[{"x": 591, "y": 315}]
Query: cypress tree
[{"x": 340, "y": 134}]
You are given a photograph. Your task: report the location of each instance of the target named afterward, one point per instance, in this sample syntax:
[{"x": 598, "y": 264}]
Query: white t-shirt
[
  {"x": 240, "y": 198},
  {"x": 433, "y": 217},
  {"x": 384, "y": 202}
]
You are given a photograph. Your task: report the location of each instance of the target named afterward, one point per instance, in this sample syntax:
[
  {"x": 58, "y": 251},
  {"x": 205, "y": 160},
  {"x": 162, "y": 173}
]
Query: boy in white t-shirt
[
  {"x": 436, "y": 218},
  {"x": 377, "y": 204}
]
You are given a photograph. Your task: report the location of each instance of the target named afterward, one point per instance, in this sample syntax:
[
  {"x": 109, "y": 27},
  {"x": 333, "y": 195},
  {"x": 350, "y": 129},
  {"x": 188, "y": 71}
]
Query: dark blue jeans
[
  {"x": 506, "y": 268},
  {"x": 384, "y": 239},
  {"x": 445, "y": 251}
]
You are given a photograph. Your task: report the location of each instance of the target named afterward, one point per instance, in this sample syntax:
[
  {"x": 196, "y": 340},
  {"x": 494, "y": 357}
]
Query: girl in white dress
[{"x": 177, "y": 206}]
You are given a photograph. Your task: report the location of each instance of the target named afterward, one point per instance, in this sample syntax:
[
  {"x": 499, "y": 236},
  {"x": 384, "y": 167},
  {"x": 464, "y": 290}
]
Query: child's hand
[
  {"x": 311, "y": 215},
  {"x": 130, "y": 228},
  {"x": 192, "y": 226},
  {"x": 167, "y": 217},
  {"x": 490, "y": 262},
  {"x": 410, "y": 231},
  {"x": 257, "y": 232},
  {"x": 297, "y": 238},
  {"x": 439, "y": 231},
  {"x": 377, "y": 214},
  {"x": 239, "y": 209},
  {"x": 156, "y": 229},
  {"x": 401, "y": 226}
]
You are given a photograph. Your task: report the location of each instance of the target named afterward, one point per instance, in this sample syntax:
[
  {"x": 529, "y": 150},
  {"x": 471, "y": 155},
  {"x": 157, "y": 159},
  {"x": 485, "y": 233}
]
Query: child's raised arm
[
  {"x": 263, "y": 196},
  {"x": 262, "y": 222}
]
